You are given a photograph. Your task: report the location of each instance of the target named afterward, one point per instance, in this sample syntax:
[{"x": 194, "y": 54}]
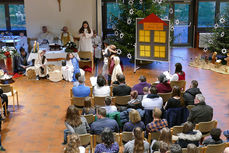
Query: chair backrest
[
  {"x": 153, "y": 136},
  {"x": 97, "y": 139},
  {"x": 71, "y": 94},
  {"x": 6, "y": 88},
  {"x": 90, "y": 118},
  {"x": 190, "y": 107},
  {"x": 176, "y": 129},
  {"x": 126, "y": 136},
  {"x": 85, "y": 54},
  {"x": 165, "y": 96},
  {"x": 86, "y": 139},
  {"x": 78, "y": 101},
  {"x": 206, "y": 126},
  {"x": 217, "y": 148},
  {"x": 181, "y": 84},
  {"x": 122, "y": 100},
  {"x": 111, "y": 89},
  {"x": 199, "y": 150},
  {"x": 99, "y": 101},
  {"x": 91, "y": 91}
]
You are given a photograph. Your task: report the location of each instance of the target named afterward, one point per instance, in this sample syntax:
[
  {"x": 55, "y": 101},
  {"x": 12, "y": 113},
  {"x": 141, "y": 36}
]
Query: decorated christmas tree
[
  {"x": 219, "y": 41},
  {"x": 124, "y": 26}
]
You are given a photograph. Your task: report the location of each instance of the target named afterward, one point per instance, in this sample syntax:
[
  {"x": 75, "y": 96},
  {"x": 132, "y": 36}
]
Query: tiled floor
[{"x": 37, "y": 126}]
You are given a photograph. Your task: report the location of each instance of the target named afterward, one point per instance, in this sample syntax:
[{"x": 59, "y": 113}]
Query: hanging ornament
[
  {"x": 131, "y": 11},
  {"x": 222, "y": 34},
  {"x": 166, "y": 18},
  {"x": 119, "y": 52},
  {"x": 171, "y": 11},
  {"x": 159, "y": 1},
  {"x": 222, "y": 20},
  {"x": 171, "y": 28},
  {"x": 131, "y": 2},
  {"x": 177, "y": 22},
  {"x": 129, "y": 56},
  {"x": 205, "y": 49},
  {"x": 129, "y": 20},
  {"x": 121, "y": 35},
  {"x": 216, "y": 26},
  {"x": 224, "y": 51},
  {"x": 116, "y": 33},
  {"x": 113, "y": 27},
  {"x": 141, "y": 2},
  {"x": 210, "y": 41},
  {"x": 190, "y": 24},
  {"x": 154, "y": 1}
]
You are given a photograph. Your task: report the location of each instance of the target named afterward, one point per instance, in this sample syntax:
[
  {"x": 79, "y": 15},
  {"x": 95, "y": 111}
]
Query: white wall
[{"x": 46, "y": 12}]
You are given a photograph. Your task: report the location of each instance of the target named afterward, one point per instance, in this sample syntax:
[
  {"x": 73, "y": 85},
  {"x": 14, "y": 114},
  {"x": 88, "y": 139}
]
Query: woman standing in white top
[
  {"x": 85, "y": 33},
  {"x": 101, "y": 90}
]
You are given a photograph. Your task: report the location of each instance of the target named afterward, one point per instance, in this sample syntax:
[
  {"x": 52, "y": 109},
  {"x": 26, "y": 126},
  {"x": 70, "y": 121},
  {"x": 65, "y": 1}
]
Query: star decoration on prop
[
  {"x": 222, "y": 34},
  {"x": 119, "y": 51},
  {"x": 121, "y": 35},
  {"x": 116, "y": 33},
  {"x": 224, "y": 51},
  {"x": 131, "y": 2},
  {"x": 131, "y": 11},
  {"x": 177, "y": 22},
  {"x": 222, "y": 20},
  {"x": 129, "y": 56},
  {"x": 205, "y": 49},
  {"x": 129, "y": 20},
  {"x": 216, "y": 26}
]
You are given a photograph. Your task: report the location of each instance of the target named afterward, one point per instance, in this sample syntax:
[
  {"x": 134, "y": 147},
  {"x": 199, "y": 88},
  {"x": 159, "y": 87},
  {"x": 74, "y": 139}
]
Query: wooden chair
[
  {"x": 165, "y": 96},
  {"x": 71, "y": 94},
  {"x": 78, "y": 102},
  {"x": 181, "y": 84},
  {"x": 91, "y": 91},
  {"x": 190, "y": 107},
  {"x": 111, "y": 90},
  {"x": 87, "y": 55},
  {"x": 199, "y": 150},
  {"x": 217, "y": 148},
  {"x": 153, "y": 135},
  {"x": 10, "y": 91},
  {"x": 97, "y": 139},
  {"x": 86, "y": 140},
  {"x": 125, "y": 137},
  {"x": 122, "y": 100},
  {"x": 98, "y": 101},
  {"x": 3, "y": 106},
  {"x": 206, "y": 127},
  {"x": 90, "y": 118},
  {"x": 176, "y": 129}
]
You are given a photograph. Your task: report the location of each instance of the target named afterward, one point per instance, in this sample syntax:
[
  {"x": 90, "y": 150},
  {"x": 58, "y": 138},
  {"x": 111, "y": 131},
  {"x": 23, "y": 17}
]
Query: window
[
  {"x": 206, "y": 14},
  {"x": 160, "y": 36},
  {"x": 17, "y": 17},
  {"x": 145, "y": 50},
  {"x": 159, "y": 51},
  {"x": 112, "y": 11},
  {"x": 144, "y": 36},
  {"x": 2, "y": 18},
  {"x": 223, "y": 8}
]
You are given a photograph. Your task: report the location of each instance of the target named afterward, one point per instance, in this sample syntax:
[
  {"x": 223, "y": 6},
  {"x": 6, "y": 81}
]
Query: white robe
[
  {"x": 97, "y": 41},
  {"x": 117, "y": 68},
  {"x": 45, "y": 36},
  {"x": 67, "y": 71},
  {"x": 38, "y": 64},
  {"x": 23, "y": 42},
  {"x": 85, "y": 43}
]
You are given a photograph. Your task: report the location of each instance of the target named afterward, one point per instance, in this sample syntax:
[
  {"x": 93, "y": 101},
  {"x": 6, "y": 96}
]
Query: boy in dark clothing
[
  {"x": 4, "y": 99},
  {"x": 215, "y": 137}
]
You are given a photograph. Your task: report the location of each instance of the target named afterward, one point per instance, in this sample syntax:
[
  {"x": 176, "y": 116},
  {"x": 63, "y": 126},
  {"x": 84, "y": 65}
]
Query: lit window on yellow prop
[
  {"x": 159, "y": 51},
  {"x": 144, "y": 36},
  {"x": 160, "y": 36},
  {"x": 144, "y": 50}
]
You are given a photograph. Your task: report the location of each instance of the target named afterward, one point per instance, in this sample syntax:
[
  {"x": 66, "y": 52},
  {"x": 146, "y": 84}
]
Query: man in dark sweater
[
  {"x": 201, "y": 112},
  {"x": 190, "y": 94},
  {"x": 122, "y": 89}
]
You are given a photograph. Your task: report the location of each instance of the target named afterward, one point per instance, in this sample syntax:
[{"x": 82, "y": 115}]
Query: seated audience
[
  {"x": 40, "y": 65},
  {"x": 4, "y": 99},
  {"x": 226, "y": 134},
  {"x": 76, "y": 83},
  {"x": 190, "y": 94},
  {"x": 163, "y": 86},
  {"x": 109, "y": 108},
  {"x": 74, "y": 123},
  {"x": 157, "y": 124},
  {"x": 134, "y": 103},
  {"x": 188, "y": 135},
  {"x": 139, "y": 87},
  {"x": 138, "y": 145},
  {"x": 108, "y": 142},
  {"x": 134, "y": 121},
  {"x": 101, "y": 90},
  {"x": 74, "y": 145},
  {"x": 175, "y": 148},
  {"x": 179, "y": 74},
  {"x": 116, "y": 82},
  {"x": 21, "y": 63},
  {"x": 201, "y": 112},
  {"x": 191, "y": 148},
  {"x": 215, "y": 137},
  {"x": 226, "y": 150},
  {"x": 174, "y": 101},
  {"x": 81, "y": 90},
  {"x": 122, "y": 89},
  {"x": 164, "y": 147},
  {"x": 152, "y": 100},
  {"x": 88, "y": 109},
  {"x": 102, "y": 122}
]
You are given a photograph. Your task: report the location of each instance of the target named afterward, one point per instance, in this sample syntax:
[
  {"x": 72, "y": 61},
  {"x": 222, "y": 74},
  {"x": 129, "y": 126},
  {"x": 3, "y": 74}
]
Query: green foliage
[
  {"x": 8, "y": 52},
  {"x": 126, "y": 44},
  {"x": 70, "y": 47},
  {"x": 220, "y": 37}
]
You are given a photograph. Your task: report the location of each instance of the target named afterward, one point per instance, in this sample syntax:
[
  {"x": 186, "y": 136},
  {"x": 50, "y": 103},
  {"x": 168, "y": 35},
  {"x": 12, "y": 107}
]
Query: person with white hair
[
  {"x": 45, "y": 37},
  {"x": 201, "y": 112},
  {"x": 66, "y": 36}
]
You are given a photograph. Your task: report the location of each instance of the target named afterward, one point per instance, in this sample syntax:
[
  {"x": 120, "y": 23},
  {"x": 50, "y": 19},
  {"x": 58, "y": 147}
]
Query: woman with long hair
[
  {"x": 85, "y": 33},
  {"x": 135, "y": 102},
  {"x": 74, "y": 123},
  {"x": 108, "y": 143},
  {"x": 174, "y": 101},
  {"x": 74, "y": 145},
  {"x": 138, "y": 145},
  {"x": 179, "y": 74},
  {"x": 88, "y": 109}
]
